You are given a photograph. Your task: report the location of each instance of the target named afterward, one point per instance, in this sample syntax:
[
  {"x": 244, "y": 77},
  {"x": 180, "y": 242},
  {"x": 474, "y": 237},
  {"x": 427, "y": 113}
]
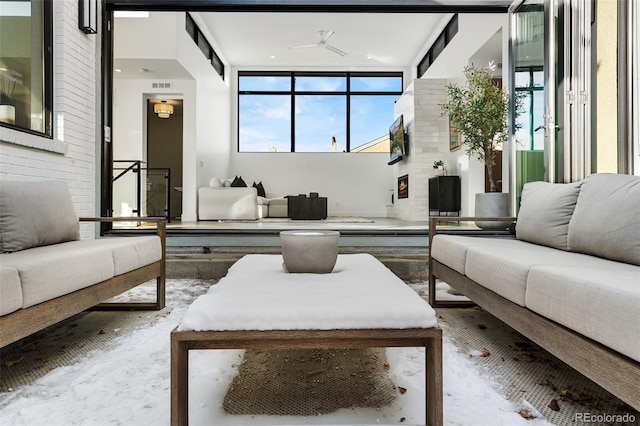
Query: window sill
[{"x": 32, "y": 141}]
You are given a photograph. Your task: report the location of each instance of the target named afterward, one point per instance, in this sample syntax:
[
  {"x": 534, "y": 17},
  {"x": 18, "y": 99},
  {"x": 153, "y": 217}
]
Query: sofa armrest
[
  {"x": 161, "y": 224},
  {"x": 435, "y": 220},
  {"x": 228, "y": 203},
  {"x": 433, "y": 224},
  {"x": 161, "y": 232}
]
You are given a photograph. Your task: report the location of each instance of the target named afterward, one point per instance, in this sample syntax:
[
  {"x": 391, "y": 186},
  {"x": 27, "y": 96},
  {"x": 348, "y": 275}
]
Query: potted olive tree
[{"x": 480, "y": 111}]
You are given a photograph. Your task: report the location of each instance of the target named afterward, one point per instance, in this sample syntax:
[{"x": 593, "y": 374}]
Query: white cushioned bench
[
  {"x": 569, "y": 280},
  {"x": 48, "y": 274}
]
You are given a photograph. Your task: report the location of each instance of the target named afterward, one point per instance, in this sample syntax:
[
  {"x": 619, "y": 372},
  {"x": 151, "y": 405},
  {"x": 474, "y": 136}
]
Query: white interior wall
[
  {"x": 205, "y": 101},
  {"x": 151, "y": 37},
  {"x": 354, "y": 183},
  {"x": 206, "y": 152},
  {"x": 129, "y": 125}
]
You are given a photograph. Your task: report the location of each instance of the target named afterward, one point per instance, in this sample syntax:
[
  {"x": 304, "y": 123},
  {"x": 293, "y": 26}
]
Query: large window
[
  {"x": 315, "y": 112},
  {"x": 25, "y": 65}
]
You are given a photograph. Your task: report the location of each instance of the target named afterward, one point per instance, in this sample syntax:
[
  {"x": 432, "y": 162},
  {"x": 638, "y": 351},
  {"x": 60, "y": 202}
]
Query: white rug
[{"x": 127, "y": 383}]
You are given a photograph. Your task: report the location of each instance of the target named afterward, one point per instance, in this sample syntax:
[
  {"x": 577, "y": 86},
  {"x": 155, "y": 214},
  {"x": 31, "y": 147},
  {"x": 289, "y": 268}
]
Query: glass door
[
  {"x": 552, "y": 67},
  {"x": 533, "y": 68}
]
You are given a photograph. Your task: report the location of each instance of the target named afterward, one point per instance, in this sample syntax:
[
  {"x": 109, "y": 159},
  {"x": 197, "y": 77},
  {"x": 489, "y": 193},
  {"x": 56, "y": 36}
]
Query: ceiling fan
[{"x": 324, "y": 36}]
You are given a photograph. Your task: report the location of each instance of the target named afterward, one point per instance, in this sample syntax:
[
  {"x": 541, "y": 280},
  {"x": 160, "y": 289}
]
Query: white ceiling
[
  {"x": 262, "y": 41},
  {"x": 370, "y": 40}
]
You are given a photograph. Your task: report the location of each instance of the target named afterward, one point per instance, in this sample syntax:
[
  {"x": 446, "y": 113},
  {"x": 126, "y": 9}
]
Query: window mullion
[
  {"x": 293, "y": 112},
  {"x": 348, "y": 113}
]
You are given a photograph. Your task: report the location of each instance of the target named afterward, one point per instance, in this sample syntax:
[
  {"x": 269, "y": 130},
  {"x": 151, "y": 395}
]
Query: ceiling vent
[{"x": 161, "y": 85}]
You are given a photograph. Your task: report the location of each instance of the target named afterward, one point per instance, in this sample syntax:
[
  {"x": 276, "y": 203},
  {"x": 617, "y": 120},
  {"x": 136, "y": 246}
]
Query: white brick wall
[
  {"x": 428, "y": 142},
  {"x": 72, "y": 154}
]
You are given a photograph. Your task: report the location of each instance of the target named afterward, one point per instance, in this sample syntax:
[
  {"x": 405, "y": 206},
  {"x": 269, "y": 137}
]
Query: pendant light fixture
[{"x": 163, "y": 109}]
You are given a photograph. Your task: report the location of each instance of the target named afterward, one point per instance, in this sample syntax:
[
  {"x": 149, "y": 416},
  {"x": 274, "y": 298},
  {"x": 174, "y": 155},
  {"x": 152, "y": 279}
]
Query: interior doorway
[{"x": 164, "y": 158}]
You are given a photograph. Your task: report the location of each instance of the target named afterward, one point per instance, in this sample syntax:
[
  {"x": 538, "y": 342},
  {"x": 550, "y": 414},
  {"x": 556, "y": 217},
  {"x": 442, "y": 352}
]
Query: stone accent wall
[{"x": 428, "y": 141}]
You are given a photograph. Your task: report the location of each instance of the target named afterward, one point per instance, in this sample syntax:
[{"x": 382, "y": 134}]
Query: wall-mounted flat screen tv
[{"x": 397, "y": 145}]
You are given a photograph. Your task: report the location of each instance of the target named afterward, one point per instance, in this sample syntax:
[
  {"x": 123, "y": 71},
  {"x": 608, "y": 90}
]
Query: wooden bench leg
[
  {"x": 161, "y": 290},
  {"x": 179, "y": 382},
  {"x": 433, "y": 385},
  {"x": 137, "y": 306}
]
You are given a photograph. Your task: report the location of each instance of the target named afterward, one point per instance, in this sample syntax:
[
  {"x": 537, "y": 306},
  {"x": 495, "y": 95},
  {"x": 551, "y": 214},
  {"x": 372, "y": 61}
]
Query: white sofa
[
  {"x": 569, "y": 280},
  {"x": 223, "y": 202},
  {"x": 48, "y": 274}
]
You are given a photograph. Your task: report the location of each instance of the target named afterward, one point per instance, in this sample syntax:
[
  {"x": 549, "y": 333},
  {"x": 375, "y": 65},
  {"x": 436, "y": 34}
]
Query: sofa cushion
[
  {"x": 598, "y": 302},
  {"x": 545, "y": 212},
  {"x": 35, "y": 213},
  {"x": 10, "y": 290},
  {"x": 131, "y": 253},
  {"x": 503, "y": 266},
  {"x": 278, "y": 207},
  {"x": 50, "y": 271},
  {"x": 451, "y": 250},
  {"x": 606, "y": 221}
]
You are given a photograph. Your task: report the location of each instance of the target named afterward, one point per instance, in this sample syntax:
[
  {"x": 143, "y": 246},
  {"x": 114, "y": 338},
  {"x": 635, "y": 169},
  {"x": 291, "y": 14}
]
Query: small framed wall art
[
  {"x": 403, "y": 186},
  {"x": 455, "y": 137}
]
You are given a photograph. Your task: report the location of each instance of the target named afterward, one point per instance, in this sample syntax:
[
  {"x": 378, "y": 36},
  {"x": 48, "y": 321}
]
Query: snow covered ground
[{"x": 129, "y": 385}]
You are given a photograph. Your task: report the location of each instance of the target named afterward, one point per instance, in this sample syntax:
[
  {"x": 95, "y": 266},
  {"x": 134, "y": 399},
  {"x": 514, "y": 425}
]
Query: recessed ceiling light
[
  {"x": 118, "y": 70},
  {"x": 272, "y": 56}
]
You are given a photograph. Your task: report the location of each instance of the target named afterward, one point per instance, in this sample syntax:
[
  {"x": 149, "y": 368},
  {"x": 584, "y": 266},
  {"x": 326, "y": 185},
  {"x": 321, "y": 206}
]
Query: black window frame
[
  {"x": 47, "y": 78},
  {"x": 438, "y": 46},
  {"x": 191, "y": 27},
  {"x": 347, "y": 93}
]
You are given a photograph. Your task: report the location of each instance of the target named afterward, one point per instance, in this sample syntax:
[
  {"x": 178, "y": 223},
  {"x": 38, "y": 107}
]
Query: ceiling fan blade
[
  {"x": 325, "y": 35},
  {"x": 335, "y": 50},
  {"x": 304, "y": 46}
]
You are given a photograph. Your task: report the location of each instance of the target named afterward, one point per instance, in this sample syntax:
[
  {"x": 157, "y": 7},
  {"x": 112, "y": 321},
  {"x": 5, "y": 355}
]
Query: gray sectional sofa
[
  {"x": 47, "y": 273},
  {"x": 569, "y": 280}
]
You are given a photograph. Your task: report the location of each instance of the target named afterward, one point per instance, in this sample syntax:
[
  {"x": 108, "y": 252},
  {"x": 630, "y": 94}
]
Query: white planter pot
[
  {"x": 8, "y": 114},
  {"x": 309, "y": 251},
  {"x": 492, "y": 204}
]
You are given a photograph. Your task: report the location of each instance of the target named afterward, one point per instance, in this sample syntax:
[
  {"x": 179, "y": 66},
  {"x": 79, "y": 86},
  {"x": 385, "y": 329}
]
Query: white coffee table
[{"x": 258, "y": 306}]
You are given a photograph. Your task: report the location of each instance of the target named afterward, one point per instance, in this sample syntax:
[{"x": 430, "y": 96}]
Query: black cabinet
[
  {"x": 310, "y": 208},
  {"x": 444, "y": 195}
]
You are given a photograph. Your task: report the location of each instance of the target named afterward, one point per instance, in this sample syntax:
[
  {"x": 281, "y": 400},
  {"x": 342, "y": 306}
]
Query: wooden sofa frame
[
  {"x": 24, "y": 322},
  {"x": 613, "y": 371}
]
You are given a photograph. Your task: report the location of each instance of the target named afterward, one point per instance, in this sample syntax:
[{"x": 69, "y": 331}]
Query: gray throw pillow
[
  {"x": 35, "y": 213},
  {"x": 545, "y": 211},
  {"x": 606, "y": 222}
]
